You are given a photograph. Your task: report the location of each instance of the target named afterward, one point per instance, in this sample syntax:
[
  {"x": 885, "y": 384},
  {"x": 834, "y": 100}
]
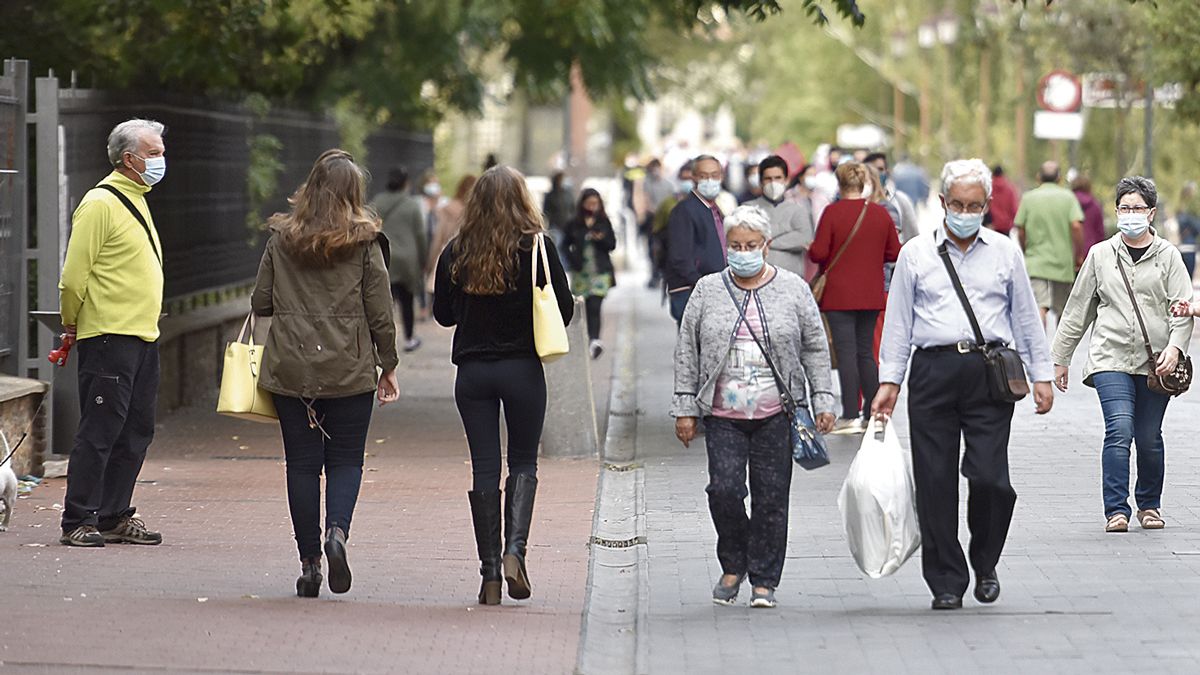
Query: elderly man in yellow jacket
[{"x": 111, "y": 298}]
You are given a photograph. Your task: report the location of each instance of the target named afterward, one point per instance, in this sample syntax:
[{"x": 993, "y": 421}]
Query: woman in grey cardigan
[
  {"x": 721, "y": 375},
  {"x": 1117, "y": 363}
]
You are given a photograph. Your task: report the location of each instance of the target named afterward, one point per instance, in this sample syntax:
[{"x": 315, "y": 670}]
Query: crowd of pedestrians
[{"x": 822, "y": 267}]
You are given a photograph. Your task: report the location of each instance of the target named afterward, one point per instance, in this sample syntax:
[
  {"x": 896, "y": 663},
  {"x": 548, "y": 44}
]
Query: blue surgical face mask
[
  {"x": 687, "y": 185},
  {"x": 156, "y": 168},
  {"x": 963, "y": 225},
  {"x": 1133, "y": 225},
  {"x": 709, "y": 188},
  {"x": 746, "y": 264}
]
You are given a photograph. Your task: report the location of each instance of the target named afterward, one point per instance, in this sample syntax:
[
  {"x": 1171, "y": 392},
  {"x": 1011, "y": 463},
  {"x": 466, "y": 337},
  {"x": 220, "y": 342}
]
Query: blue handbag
[{"x": 808, "y": 446}]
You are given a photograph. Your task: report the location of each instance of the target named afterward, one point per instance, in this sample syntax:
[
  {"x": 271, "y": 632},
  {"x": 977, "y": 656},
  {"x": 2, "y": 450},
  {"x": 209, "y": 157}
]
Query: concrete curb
[{"x": 615, "y": 611}]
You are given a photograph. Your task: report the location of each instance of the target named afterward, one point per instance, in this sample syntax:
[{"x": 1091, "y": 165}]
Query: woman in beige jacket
[{"x": 1118, "y": 363}]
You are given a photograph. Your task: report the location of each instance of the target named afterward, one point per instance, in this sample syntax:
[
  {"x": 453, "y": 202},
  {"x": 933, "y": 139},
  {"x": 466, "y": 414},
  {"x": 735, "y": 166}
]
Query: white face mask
[
  {"x": 753, "y": 180},
  {"x": 156, "y": 168},
  {"x": 774, "y": 190}
]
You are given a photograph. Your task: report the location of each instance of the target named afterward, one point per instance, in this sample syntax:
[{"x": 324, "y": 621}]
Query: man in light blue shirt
[{"x": 948, "y": 396}]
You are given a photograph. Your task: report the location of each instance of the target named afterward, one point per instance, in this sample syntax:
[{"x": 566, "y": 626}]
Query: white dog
[{"x": 8, "y": 484}]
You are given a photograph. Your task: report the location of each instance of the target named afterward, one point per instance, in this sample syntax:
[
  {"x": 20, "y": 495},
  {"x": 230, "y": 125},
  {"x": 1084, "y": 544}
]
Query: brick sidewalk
[
  {"x": 1075, "y": 600},
  {"x": 219, "y": 594}
]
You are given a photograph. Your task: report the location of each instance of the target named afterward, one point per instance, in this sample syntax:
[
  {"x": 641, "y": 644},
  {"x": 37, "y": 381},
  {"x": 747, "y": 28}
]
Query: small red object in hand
[{"x": 59, "y": 356}]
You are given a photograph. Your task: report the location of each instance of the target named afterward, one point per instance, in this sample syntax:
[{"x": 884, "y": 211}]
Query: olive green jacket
[
  {"x": 1100, "y": 300},
  {"x": 331, "y": 326}
]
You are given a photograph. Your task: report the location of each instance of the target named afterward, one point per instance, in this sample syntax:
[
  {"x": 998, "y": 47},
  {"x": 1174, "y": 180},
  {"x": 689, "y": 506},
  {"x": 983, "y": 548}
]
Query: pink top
[{"x": 745, "y": 389}]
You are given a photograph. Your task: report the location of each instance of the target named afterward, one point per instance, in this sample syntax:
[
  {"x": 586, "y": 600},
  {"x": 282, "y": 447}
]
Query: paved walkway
[
  {"x": 1075, "y": 600},
  {"x": 219, "y": 594}
]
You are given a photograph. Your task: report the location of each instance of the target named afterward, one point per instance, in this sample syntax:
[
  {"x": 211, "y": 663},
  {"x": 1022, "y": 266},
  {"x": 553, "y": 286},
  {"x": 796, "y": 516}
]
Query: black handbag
[
  {"x": 1006, "y": 378},
  {"x": 1178, "y": 380},
  {"x": 808, "y": 446}
]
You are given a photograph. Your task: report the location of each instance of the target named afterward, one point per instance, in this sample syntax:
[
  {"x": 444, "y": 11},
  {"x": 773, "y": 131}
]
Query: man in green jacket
[{"x": 111, "y": 297}]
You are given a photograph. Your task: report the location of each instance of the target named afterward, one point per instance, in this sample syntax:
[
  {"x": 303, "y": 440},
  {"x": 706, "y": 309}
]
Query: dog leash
[{"x": 21, "y": 440}]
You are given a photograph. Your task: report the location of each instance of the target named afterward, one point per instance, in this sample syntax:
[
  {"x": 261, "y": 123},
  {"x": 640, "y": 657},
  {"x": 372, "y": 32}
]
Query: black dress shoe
[
  {"x": 947, "y": 601},
  {"x": 987, "y": 587}
]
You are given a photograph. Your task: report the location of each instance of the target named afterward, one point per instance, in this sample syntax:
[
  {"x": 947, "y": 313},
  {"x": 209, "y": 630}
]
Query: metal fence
[
  {"x": 13, "y": 223},
  {"x": 200, "y": 208}
]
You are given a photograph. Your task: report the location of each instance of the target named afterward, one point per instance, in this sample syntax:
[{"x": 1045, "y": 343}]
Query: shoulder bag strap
[
  {"x": 1136, "y": 310},
  {"x": 136, "y": 214},
  {"x": 789, "y": 404},
  {"x": 962, "y": 294},
  {"x": 846, "y": 244}
]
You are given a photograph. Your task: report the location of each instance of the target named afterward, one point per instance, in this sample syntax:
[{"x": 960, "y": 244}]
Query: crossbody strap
[
  {"x": 785, "y": 396},
  {"x": 962, "y": 294},
  {"x": 1136, "y": 310},
  {"x": 846, "y": 244},
  {"x": 136, "y": 214}
]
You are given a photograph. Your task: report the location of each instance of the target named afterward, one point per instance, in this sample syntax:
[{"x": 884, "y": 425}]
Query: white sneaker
[
  {"x": 412, "y": 345},
  {"x": 596, "y": 348}
]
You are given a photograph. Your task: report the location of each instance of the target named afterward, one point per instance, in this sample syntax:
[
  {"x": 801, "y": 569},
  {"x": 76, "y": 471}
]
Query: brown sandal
[
  {"x": 1118, "y": 522},
  {"x": 1150, "y": 519}
]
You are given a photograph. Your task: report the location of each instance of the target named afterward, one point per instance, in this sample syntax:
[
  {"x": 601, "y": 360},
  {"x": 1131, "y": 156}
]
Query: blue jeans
[
  {"x": 1132, "y": 413},
  {"x": 308, "y": 451}
]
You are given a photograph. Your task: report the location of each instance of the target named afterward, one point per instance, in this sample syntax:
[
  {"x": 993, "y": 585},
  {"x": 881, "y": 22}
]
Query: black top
[
  {"x": 494, "y": 327},
  {"x": 577, "y": 238},
  {"x": 1137, "y": 253}
]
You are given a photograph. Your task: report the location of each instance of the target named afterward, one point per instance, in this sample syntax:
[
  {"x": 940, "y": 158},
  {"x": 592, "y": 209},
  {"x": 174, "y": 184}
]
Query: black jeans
[
  {"x": 853, "y": 336},
  {"x": 948, "y": 401},
  {"x": 592, "y": 304},
  {"x": 118, "y": 393},
  {"x": 404, "y": 297},
  {"x": 479, "y": 390},
  {"x": 308, "y": 451},
  {"x": 755, "y": 545}
]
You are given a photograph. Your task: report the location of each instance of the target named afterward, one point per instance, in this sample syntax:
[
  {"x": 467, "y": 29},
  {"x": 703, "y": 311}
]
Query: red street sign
[{"x": 1060, "y": 91}]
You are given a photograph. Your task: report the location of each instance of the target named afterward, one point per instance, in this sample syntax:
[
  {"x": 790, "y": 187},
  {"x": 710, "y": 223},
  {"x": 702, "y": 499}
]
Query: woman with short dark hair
[
  {"x": 1135, "y": 262},
  {"x": 324, "y": 279}
]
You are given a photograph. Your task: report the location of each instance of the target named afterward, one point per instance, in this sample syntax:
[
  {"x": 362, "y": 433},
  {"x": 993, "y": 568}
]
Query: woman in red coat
[{"x": 854, "y": 287}]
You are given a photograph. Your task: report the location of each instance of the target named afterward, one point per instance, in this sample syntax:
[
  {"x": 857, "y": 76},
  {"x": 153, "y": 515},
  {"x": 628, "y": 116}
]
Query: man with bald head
[{"x": 1050, "y": 228}]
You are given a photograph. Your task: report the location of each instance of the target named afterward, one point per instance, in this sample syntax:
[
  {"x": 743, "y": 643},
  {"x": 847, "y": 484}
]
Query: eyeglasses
[
  {"x": 973, "y": 209},
  {"x": 745, "y": 248},
  {"x": 1126, "y": 210}
]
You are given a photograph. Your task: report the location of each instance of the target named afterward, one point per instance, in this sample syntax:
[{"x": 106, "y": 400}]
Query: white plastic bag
[{"x": 878, "y": 504}]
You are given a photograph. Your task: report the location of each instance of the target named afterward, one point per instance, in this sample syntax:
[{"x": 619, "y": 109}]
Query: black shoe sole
[
  {"x": 140, "y": 542},
  {"x": 518, "y": 580},
  {"x": 81, "y": 544},
  {"x": 339, "y": 569}
]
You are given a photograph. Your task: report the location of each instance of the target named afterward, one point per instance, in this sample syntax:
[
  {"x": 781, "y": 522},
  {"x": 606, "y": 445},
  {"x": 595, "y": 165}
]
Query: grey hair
[
  {"x": 125, "y": 137},
  {"x": 1139, "y": 184},
  {"x": 749, "y": 217},
  {"x": 967, "y": 171},
  {"x": 704, "y": 158}
]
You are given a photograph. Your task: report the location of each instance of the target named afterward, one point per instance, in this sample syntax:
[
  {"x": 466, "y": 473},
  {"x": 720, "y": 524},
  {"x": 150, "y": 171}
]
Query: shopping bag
[
  {"x": 240, "y": 395},
  {"x": 549, "y": 332},
  {"x": 878, "y": 503}
]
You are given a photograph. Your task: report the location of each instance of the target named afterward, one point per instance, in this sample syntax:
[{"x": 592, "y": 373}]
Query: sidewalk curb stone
[{"x": 615, "y": 612}]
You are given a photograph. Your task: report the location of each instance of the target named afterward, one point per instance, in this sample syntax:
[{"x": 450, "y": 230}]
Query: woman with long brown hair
[
  {"x": 324, "y": 279},
  {"x": 483, "y": 286}
]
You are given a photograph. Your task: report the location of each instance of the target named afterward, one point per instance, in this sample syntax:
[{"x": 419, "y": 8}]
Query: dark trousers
[
  {"x": 308, "y": 451},
  {"x": 592, "y": 304},
  {"x": 118, "y": 392},
  {"x": 754, "y": 545},
  {"x": 853, "y": 336},
  {"x": 479, "y": 390},
  {"x": 404, "y": 297},
  {"x": 679, "y": 301},
  {"x": 948, "y": 401}
]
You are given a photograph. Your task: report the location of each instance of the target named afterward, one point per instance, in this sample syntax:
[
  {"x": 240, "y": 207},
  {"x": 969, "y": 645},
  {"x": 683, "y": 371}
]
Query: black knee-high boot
[
  {"x": 518, "y": 513},
  {"x": 485, "y": 514}
]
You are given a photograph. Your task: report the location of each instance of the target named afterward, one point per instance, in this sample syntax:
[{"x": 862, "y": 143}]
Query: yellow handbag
[
  {"x": 241, "y": 396},
  {"x": 549, "y": 333}
]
